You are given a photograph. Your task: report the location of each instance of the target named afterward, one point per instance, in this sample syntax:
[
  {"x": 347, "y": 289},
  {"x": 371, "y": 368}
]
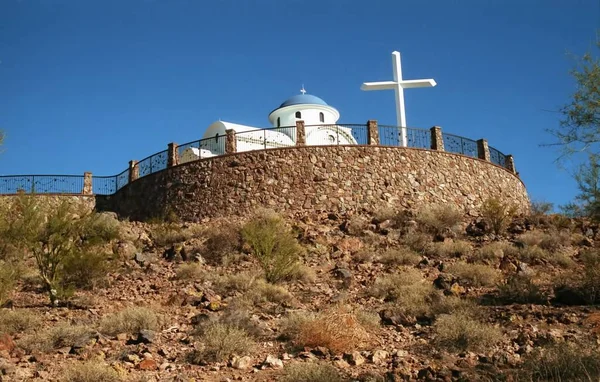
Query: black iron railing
[{"x": 257, "y": 139}]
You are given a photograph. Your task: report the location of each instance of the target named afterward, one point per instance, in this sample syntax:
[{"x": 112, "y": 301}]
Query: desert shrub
[
  {"x": 540, "y": 208},
  {"x": 129, "y": 320},
  {"x": 550, "y": 241},
  {"x": 498, "y": 214},
  {"x": 53, "y": 235},
  {"x": 401, "y": 256},
  {"x": 237, "y": 314},
  {"x": 337, "y": 329},
  {"x": 263, "y": 292},
  {"x": 356, "y": 225},
  {"x": 10, "y": 272},
  {"x": 311, "y": 372},
  {"x": 276, "y": 249},
  {"x": 90, "y": 371},
  {"x": 58, "y": 336},
  {"x": 476, "y": 275},
  {"x": 232, "y": 283},
  {"x": 16, "y": 321},
  {"x": 461, "y": 332},
  {"x": 561, "y": 362},
  {"x": 535, "y": 255},
  {"x": 449, "y": 248},
  {"x": 439, "y": 219},
  {"x": 167, "y": 233},
  {"x": 417, "y": 241},
  {"x": 303, "y": 273},
  {"x": 408, "y": 292},
  {"x": 219, "y": 342},
  {"x": 222, "y": 242},
  {"x": 520, "y": 289},
  {"x": 86, "y": 269},
  {"x": 492, "y": 253},
  {"x": 189, "y": 271},
  {"x": 581, "y": 286}
]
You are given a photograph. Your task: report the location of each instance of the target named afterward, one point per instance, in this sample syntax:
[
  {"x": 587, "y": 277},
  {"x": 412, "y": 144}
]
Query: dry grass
[
  {"x": 581, "y": 286},
  {"x": 417, "y": 241},
  {"x": 9, "y": 275},
  {"x": 59, "y": 336},
  {"x": 460, "y": 332},
  {"x": 520, "y": 289},
  {"x": 90, "y": 371},
  {"x": 550, "y": 241},
  {"x": 311, "y": 372},
  {"x": 130, "y": 320},
  {"x": 476, "y": 275},
  {"x": 263, "y": 292},
  {"x": 498, "y": 214},
  {"x": 337, "y": 329},
  {"x": 17, "y": 321},
  {"x": 220, "y": 342},
  {"x": 492, "y": 253},
  {"x": 450, "y": 248},
  {"x": 189, "y": 272},
  {"x": 562, "y": 362},
  {"x": 539, "y": 256},
  {"x": 439, "y": 219},
  {"x": 234, "y": 283},
  {"x": 223, "y": 242},
  {"x": 165, "y": 234},
  {"x": 400, "y": 256}
]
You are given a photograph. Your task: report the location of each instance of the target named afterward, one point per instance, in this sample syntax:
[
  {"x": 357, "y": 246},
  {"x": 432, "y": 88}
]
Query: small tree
[
  {"x": 587, "y": 202},
  {"x": 498, "y": 214},
  {"x": 54, "y": 236}
]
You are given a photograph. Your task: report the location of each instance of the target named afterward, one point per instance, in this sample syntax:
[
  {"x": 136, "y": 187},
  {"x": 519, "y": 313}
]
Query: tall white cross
[{"x": 399, "y": 84}]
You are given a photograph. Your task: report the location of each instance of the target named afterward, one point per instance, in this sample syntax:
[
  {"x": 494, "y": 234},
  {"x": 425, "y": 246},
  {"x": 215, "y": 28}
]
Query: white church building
[{"x": 320, "y": 127}]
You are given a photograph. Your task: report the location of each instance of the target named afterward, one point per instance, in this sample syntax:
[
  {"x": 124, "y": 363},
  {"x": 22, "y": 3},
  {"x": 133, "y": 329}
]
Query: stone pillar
[
  {"x": 300, "y": 134},
  {"x": 230, "y": 142},
  {"x": 372, "y": 132},
  {"x": 509, "y": 163},
  {"x": 134, "y": 170},
  {"x": 173, "y": 155},
  {"x": 483, "y": 150},
  {"x": 437, "y": 139},
  {"x": 87, "y": 184}
]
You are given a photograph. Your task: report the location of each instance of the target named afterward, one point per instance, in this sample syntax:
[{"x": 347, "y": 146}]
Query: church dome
[{"x": 303, "y": 99}]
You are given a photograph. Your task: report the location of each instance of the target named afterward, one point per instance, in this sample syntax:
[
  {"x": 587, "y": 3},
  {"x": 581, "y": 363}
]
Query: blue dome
[{"x": 303, "y": 99}]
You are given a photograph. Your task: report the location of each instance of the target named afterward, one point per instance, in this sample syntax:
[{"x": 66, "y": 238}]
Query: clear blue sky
[{"x": 88, "y": 85}]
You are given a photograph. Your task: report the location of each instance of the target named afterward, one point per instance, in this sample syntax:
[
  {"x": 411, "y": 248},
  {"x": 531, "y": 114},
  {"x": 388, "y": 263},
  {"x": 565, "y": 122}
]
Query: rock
[
  {"x": 242, "y": 363},
  {"x": 523, "y": 268},
  {"x": 507, "y": 265},
  {"x": 344, "y": 274},
  {"x": 7, "y": 343},
  {"x": 390, "y": 317},
  {"x": 320, "y": 351},
  {"x": 456, "y": 290},
  {"x": 122, "y": 336},
  {"x": 444, "y": 281},
  {"x": 273, "y": 362},
  {"x": 64, "y": 350},
  {"x": 148, "y": 364},
  {"x": 146, "y": 336},
  {"x": 200, "y": 318},
  {"x": 354, "y": 358},
  {"x": 349, "y": 245},
  {"x": 379, "y": 357},
  {"x": 341, "y": 364}
]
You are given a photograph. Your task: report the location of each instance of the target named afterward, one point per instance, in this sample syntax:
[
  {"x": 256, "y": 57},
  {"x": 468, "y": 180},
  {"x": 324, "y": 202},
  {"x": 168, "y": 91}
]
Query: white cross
[
  {"x": 399, "y": 85},
  {"x": 302, "y": 90}
]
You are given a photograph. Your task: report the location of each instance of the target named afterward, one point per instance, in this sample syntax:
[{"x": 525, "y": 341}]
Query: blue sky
[{"x": 88, "y": 85}]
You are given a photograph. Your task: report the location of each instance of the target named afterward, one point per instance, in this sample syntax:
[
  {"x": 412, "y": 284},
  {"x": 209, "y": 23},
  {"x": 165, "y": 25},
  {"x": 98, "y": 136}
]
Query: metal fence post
[
  {"x": 134, "y": 170},
  {"x": 437, "y": 139},
  {"x": 483, "y": 149},
  {"x": 87, "y": 184},
  {"x": 173, "y": 157},
  {"x": 300, "y": 134}
]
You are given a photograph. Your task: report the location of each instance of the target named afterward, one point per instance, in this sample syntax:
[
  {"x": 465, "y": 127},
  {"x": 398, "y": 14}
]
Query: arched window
[
  {"x": 217, "y": 137},
  {"x": 298, "y": 114},
  {"x": 321, "y": 117},
  {"x": 278, "y": 121}
]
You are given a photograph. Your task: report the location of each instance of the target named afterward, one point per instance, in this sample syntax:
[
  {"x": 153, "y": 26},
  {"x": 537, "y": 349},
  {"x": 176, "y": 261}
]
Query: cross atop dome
[{"x": 303, "y": 91}]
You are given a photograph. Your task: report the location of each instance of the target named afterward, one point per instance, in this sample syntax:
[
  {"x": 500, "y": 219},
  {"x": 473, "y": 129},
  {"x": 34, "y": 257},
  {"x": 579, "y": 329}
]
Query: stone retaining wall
[{"x": 304, "y": 180}]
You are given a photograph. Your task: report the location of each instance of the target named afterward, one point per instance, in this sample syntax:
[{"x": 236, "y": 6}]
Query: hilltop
[{"x": 382, "y": 296}]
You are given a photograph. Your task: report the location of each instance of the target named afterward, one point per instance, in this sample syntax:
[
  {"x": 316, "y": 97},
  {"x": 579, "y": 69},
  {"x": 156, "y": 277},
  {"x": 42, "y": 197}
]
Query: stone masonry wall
[{"x": 304, "y": 180}]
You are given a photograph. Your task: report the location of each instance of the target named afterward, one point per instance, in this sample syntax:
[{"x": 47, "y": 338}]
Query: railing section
[
  {"x": 266, "y": 138},
  {"x": 496, "y": 157},
  {"x": 336, "y": 134},
  {"x": 460, "y": 145},
  {"x": 122, "y": 179},
  {"x": 104, "y": 185},
  {"x": 153, "y": 163},
  {"x": 44, "y": 184}
]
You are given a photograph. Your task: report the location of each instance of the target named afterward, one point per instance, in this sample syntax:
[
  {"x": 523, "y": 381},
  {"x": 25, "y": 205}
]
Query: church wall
[{"x": 305, "y": 180}]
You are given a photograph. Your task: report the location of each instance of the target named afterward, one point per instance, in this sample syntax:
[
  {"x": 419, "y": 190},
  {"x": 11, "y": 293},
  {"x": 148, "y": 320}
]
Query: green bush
[
  {"x": 520, "y": 289},
  {"x": 276, "y": 249},
  {"x": 56, "y": 236},
  {"x": 9, "y": 275},
  {"x": 311, "y": 372},
  {"x": 581, "y": 286},
  {"x": 498, "y": 214}
]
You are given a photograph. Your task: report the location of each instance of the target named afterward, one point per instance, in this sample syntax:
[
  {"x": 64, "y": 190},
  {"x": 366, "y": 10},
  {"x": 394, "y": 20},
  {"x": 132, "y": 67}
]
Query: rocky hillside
[{"x": 377, "y": 297}]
